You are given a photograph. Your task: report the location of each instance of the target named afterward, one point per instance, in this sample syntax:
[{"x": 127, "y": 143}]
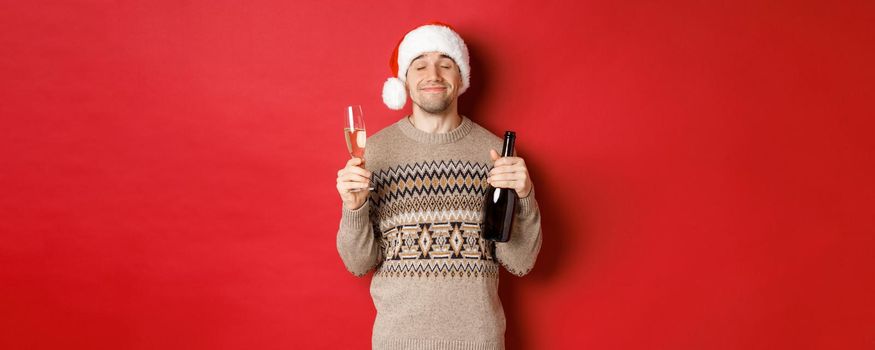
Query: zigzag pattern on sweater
[
  {"x": 429, "y": 178},
  {"x": 439, "y": 268},
  {"x": 432, "y": 209}
]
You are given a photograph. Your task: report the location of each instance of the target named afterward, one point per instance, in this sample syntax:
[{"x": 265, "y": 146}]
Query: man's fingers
[
  {"x": 349, "y": 177},
  {"x": 502, "y": 161},
  {"x": 506, "y": 177},
  {"x": 347, "y": 186},
  {"x": 494, "y": 154},
  {"x": 354, "y": 161},
  {"x": 503, "y": 184},
  {"x": 507, "y": 169},
  {"x": 509, "y": 161},
  {"x": 354, "y": 170}
]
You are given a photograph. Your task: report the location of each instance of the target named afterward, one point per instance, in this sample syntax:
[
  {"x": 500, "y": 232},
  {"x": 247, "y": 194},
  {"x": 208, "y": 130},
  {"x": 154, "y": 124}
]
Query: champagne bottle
[{"x": 500, "y": 203}]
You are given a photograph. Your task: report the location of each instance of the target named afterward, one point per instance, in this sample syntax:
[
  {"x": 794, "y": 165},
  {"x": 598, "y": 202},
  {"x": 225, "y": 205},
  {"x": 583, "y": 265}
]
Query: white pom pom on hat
[
  {"x": 434, "y": 37},
  {"x": 394, "y": 93}
]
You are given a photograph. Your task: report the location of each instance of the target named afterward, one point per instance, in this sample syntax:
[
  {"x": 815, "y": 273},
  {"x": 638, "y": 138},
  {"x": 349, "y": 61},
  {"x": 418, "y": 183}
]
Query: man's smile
[{"x": 434, "y": 89}]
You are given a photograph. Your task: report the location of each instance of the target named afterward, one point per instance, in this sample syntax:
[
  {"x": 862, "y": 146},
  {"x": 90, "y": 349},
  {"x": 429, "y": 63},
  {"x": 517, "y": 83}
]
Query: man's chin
[
  {"x": 434, "y": 109},
  {"x": 435, "y": 105}
]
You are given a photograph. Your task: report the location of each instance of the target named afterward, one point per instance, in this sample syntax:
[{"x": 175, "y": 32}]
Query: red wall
[{"x": 704, "y": 170}]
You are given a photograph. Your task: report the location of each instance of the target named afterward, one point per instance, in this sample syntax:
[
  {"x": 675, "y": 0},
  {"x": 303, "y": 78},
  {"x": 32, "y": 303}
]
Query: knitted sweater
[{"x": 436, "y": 279}]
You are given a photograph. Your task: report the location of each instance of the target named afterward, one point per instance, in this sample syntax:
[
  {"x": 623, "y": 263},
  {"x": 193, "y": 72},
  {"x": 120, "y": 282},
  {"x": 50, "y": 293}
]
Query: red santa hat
[{"x": 434, "y": 37}]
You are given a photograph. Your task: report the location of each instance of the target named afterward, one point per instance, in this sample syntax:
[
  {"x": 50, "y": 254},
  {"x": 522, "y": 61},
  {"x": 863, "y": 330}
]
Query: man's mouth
[{"x": 434, "y": 89}]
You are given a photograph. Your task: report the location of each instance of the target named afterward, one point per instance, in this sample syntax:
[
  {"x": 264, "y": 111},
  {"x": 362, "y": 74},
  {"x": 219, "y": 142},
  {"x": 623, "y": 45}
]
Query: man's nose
[{"x": 433, "y": 74}]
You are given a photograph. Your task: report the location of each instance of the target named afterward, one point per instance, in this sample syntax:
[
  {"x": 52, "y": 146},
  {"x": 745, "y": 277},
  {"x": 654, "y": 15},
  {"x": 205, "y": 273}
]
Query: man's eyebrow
[{"x": 442, "y": 56}]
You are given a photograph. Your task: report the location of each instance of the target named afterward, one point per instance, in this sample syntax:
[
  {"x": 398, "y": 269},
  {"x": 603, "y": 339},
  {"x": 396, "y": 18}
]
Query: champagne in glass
[
  {"x": 354, "y": 131},
  {"x": 355, "y": 134}
]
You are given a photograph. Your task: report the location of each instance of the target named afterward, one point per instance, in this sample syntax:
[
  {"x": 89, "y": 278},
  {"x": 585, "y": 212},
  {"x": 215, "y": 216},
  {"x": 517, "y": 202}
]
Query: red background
[{"x": 704, "y": 170}]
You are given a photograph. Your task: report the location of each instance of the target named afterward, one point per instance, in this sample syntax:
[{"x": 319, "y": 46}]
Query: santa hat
[{"x": 438, "y": 37}]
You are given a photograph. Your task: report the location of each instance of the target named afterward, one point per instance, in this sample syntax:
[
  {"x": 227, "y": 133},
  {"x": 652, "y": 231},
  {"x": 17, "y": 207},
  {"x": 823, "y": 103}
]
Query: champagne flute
[{"x": 355, "y": 134}]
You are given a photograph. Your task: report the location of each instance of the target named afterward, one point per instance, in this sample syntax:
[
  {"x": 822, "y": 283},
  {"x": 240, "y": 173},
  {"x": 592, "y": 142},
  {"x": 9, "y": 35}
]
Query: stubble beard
[{"x": 434, "y": 105}]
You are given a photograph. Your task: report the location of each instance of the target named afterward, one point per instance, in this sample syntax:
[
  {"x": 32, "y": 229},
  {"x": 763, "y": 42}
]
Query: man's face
[{"x": 433, "y": 81}]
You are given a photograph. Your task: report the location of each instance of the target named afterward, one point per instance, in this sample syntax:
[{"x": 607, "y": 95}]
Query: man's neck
[{"x": 435, "y": 123}]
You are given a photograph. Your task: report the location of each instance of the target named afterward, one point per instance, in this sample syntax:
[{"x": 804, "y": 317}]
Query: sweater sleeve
[
  {"x": 518, "y": 255},
  {"x": 356, "y": 242}
]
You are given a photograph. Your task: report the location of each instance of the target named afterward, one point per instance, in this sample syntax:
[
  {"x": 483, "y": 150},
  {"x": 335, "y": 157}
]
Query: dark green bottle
[{"x": 500, "y": 203}]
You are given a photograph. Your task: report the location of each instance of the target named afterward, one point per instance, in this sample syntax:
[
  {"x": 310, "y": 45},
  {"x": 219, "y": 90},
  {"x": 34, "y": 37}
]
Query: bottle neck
[{"x": 507, "y": 149}]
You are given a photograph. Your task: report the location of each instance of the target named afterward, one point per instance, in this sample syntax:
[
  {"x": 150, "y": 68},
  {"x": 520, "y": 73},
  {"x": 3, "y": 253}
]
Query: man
[{"x": 436, "y": 279}]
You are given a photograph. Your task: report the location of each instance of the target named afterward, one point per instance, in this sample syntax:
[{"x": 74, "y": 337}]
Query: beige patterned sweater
[{"x": 436, "y": 279}]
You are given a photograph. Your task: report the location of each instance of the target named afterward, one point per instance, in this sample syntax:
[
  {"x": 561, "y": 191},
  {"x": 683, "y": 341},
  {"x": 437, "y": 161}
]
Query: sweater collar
[{"x": 435, "y": 138}]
